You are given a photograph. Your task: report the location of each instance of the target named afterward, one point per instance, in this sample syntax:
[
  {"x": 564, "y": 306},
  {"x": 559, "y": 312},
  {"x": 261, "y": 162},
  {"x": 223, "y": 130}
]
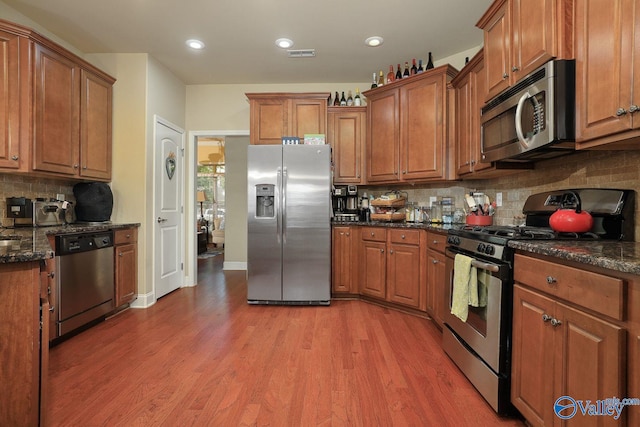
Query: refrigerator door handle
[
  {"x": 277, "y": 207},
  {"x": 283, "y": 209}
]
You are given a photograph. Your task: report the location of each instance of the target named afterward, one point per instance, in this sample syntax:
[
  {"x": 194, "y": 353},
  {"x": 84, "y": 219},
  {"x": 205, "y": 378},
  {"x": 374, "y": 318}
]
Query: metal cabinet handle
[
  {"x": 161, "y": 220},
  {"x": 402, "y": 236},
  {"x": 381, "y": 251},
  {"x": 546, "y": 317},
  {"x": 515, "y": 68},
  {"x": 505, "y": 75},
  {"x": 551, "y": 280},
  {"x": 51, "y": 309},
  {"x": 373, "y": 234},
  {"x": 14, "y": 157},
  {"x": 435, "y": 261},
  {"x": 435, "y": 242},
  {"x": 120, "y": 254},
  {"x": 348, "y": 234},
  {"x": 391, "y": 251},
  {"x": 75, "y": 166},
  {"x": 52, "y": 274},
  {"x": 128, "y": 236},
  {"x": 555, "y": 322},
  {"x": 84, "y": 167},
  {"x": 633, "y": 108},
  {"x": 621, "y": 112}
]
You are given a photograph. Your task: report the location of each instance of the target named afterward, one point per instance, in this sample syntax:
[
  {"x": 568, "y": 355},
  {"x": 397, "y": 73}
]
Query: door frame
[{"x": 190, "y": 214}]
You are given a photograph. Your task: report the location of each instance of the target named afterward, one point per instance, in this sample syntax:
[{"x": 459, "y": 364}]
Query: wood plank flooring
[{"x": 203, "y": 357}]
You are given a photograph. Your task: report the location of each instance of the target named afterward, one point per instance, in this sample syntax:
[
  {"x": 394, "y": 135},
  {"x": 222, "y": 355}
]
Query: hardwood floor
[{"x": 202, "y": 356}]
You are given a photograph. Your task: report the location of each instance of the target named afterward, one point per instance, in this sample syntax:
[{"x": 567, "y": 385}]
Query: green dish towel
[{"x": 465, "y": 287}]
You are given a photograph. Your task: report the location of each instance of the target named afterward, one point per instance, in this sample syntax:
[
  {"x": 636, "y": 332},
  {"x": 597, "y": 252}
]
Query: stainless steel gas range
[{"x": 478, "y": 337}]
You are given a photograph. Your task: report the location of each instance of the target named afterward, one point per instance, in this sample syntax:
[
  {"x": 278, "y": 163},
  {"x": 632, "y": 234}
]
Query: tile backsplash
[
  {"x": 30, "y": 187},
  {"x": 589, "y": 169}
]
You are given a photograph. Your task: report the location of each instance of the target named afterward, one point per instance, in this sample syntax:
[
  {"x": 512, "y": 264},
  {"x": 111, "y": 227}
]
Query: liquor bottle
[
  {"x": 390, "y": 75},
  {"x": 420, "y": 69},
  {"x": 357, "y": 101},
  {"x": 398, "y": 73},
  {"x": 336, "y": 100},
  {"x": 343, "y": 100},
  {"x": 430, "y": 63},
  {"x": 374, "y": 84},
  {"x": 414, "y": 68},
  {"x": 406, "y": 72},
  {"x": 381, "y": 79},
  {"x": 329, "y": 100},
  {"x": 349, "y": 100}
]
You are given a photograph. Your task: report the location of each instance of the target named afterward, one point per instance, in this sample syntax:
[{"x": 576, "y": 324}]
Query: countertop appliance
[
  {"x": 51, "y": 212},
  {"x": 85, "y": 279},
  {"x": 481, "y": 345},
  {"x": 289, "y": 231},
  {"x": 20, "y": 209},
  {"x": 534, "y": 119},
  {"x": 94, "y": 202}
]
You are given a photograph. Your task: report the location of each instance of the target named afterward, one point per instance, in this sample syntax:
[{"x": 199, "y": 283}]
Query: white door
[{"x": 168, "y": 174}]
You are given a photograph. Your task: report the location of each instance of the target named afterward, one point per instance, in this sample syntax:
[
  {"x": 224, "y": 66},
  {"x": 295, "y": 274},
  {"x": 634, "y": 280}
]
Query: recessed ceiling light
[
  {"x": 195, "y": 44},
  {"x": 374, "y": 41},
  {"x": 284, "y": 43}
]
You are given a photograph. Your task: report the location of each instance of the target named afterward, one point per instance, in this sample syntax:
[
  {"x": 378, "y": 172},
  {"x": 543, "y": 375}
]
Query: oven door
[{"x": 486, "y": 330}]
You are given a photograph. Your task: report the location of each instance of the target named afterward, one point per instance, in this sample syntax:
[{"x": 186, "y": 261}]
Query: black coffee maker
[{"x": 339, "y": 199}]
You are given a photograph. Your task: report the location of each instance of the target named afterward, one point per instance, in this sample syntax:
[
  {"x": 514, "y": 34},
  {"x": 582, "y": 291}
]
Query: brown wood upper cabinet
[
  {"x": 407, "y": 128},
  {"x": 346, "y": 134},
  {"x": 61, "y": 122},
  {"x": 607, "y": 73},
  {"x": 521, "y": 35},
  {"x": 274, "y": 115}
]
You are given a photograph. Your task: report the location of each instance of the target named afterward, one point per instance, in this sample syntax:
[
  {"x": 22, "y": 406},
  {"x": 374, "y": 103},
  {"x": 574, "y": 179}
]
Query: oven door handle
[{"x": 485, "y": 266}]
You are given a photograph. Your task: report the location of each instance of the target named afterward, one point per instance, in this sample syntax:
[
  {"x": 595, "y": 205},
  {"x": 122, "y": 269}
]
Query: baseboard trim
[
  {"x": 144, "y": 301},
  {"x": 234, "y": 265}
]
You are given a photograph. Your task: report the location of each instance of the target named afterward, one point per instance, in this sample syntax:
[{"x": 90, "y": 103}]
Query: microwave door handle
[{"x": 521, "y": 138}]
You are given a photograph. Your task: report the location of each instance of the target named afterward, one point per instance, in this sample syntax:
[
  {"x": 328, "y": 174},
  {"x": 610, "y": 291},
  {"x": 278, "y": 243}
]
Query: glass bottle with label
[{"x": 357, "y": 101}]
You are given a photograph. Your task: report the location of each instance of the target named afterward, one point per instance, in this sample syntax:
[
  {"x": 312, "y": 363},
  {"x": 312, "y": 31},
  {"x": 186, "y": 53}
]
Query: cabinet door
[
  {"x": 268, "y": 121},
  {"x": 403, "y": 274},
  {"x": 436, "y": 277},
  {"x": 126, "y": 272},
  {"x": 307, "y": 116},
  {"x": 496, "y": 52},
  {"x": 373, "y": 269},
  {"x": 383, "y": 137},
  {"x": 57, "y": 112},
  {"x": 477, "y": 102},
  {"x": 533, "y": 357},
  {"x": 422, "y": 129},
  {"x": 10, "y": 99},
  {"x": 346, "y": 136},
  {"x": 604, "y": 31},
  {"x": 341, "y": 260},
  {"x": 588, "y": 359},
  {"x": 464, "y": 130},
  {"x": 534, "y": 38},
  {"x": 95, "y": 126}
]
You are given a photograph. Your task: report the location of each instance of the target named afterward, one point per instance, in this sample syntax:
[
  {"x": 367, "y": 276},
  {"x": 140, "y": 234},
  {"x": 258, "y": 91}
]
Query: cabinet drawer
[
  {"x": 407, "y": 237},
  {"x": 597, "y": 292},
  {"x": 375, "y": 234},
  {"x": 436, "y": 241},
  {"x": 126, "y": 235}
]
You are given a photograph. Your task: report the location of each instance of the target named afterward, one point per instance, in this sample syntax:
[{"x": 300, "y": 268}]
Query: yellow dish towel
[{"x": 465, "y": 287}]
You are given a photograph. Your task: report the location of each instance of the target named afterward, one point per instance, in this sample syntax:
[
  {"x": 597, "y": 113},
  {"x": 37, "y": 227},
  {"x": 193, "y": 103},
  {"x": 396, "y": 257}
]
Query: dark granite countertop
[
  {"x": 32, "y": 243},
  {"x": 618, "y": 256},
  {"x": 443, "y": 228}
]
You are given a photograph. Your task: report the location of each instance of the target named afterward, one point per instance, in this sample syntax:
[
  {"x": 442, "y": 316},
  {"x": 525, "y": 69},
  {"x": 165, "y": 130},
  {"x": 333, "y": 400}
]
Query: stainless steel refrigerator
[{"x": 289, "y": 230}]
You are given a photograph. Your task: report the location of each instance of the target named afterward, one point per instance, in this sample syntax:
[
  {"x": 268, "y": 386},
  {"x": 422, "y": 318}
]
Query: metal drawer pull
[
  {"x": 485, "y": 266},
  {"x": 551, "y": 280},
  {"x": 555, "y": 322},
  {"x": 402, "y": 236},
  {"x": 381, "y": 251},
  {"x": 391, "y": 251},
  {"x": 621, "y": 112},
  {"x": 546, "y": 317}
]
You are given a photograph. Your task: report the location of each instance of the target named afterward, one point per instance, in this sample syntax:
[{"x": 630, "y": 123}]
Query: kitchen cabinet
[
  {"x": 63, "y": 111},
  {"x": 274, "y": 115},
  {"x": 392, "y": 267},
  {"x": 407, "y": 123},
  {"x": 520, "y": 36},
  {"x": 567, "y": 325},
  {"x": 436, "y": 277},
  {"x": 607, "y": 73},
  {"x": 346, "y": 134},
  {"x": 344, "y": 260},
  {"x": 24, "y": 355},
  {"x": 126, "y": 265}
]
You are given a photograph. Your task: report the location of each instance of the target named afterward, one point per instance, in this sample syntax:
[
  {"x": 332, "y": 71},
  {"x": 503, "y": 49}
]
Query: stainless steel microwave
[{"x": 534, "y": 119}]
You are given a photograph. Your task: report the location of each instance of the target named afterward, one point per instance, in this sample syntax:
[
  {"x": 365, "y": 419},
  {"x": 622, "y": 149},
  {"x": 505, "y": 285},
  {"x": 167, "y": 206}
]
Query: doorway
[{"x": 210, "y": 191}]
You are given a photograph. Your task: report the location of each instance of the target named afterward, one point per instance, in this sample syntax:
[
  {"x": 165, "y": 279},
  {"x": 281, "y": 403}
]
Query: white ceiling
[{"x": 240, "y": 34}]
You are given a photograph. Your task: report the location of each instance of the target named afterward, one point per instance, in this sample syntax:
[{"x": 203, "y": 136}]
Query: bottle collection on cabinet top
[
  {"x": 348, "y": 100},
  {"x": 401, "y": 73}
]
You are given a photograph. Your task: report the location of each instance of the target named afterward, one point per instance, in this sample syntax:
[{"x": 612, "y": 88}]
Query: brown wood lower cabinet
[
  {"x": 344, "y": 260},
  {"x": 126, "y": 265},
  {"x": 436, "y": 272},
  {"x": 373, "y": 262}
]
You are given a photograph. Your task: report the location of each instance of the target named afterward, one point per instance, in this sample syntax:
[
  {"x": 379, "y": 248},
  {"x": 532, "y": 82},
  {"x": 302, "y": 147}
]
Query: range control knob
[
  {"x": 489, "y": 250},
  {"x": 453, "y": 240},
  {"x": 481, "y": 247}
]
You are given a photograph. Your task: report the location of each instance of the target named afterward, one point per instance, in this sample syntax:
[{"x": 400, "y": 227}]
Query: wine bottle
[
  {"x": 466, "y": 60},
  {"x": 374, "y": 84},
  {"x": 414, "y": 68},
  {"x": 390, "y": 74},
  {"x": 420, "y": 69},
  {"x": 357, "y": 101},
  {"x": 329, "y": 100},
  {"x": 349, "y": 100},
  {"x": 406, "y": 72},
  {"x": 336, "y": 100},
  {"x": 430, "y": 62},
  {"x": 381, "y": 79},
  {"x": 343, "y": 100},
  {"x": 398, "y": 73}
]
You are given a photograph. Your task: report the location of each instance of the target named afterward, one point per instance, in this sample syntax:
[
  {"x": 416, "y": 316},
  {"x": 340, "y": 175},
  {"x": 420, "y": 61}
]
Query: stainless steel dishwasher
[{"x": 85, "y": 279}]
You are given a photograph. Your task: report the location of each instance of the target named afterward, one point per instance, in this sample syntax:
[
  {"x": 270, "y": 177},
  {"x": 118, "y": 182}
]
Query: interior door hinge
[
  {"x": 182, "y": 151},
  {"x": 182, "y": 266}
]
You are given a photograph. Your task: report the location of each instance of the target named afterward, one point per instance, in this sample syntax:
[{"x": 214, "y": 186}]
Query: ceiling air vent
[{"x": 301, "y": 53}]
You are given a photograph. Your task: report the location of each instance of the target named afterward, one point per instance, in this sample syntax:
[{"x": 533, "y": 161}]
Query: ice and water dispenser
[{"x": 265, "y": 203}]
